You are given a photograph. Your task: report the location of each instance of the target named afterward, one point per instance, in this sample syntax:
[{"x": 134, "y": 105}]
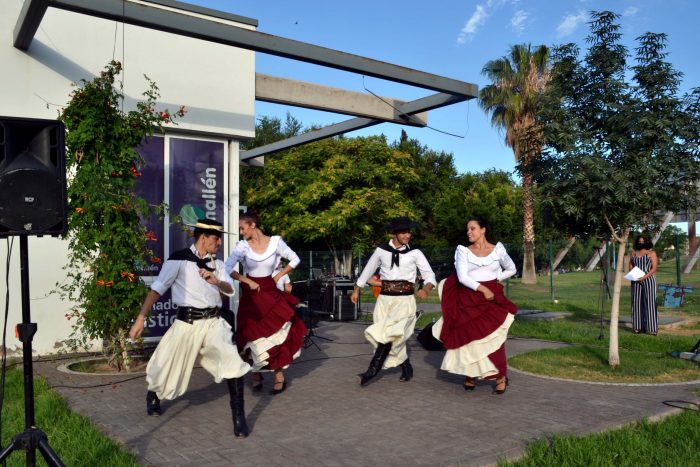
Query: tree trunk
[
  {"x": 336, "y": 261},
  {"x": 347, "y": 263},
  {"x": 562, "y": 253},
  {"x": 692, "y": 243},
  {"x": 529, "y": 272},
  {"x": 126, "y": 358},
  {"x": 336, "y": 264},
  {"x": 613, "y": 350},
  {"x": 692, "y": 238}
]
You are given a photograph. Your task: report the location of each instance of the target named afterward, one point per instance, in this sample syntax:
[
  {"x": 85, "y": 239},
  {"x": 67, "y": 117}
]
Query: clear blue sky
[{"x": 452, "y": 38}]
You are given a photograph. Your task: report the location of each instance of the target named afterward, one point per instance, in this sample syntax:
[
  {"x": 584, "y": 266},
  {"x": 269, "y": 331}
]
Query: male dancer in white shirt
[
  {"x": 197, "y": 280},
  {"x": 394, "y": 316}
]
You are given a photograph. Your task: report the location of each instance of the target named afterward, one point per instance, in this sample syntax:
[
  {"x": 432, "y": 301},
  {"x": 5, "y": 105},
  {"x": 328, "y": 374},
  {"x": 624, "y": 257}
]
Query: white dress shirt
[
  {"x": 187, "y": 286},
  {"x": 261, "y": 264},
  {"x": 406, "y": 270},
  {"x": 472, "y": 269}
]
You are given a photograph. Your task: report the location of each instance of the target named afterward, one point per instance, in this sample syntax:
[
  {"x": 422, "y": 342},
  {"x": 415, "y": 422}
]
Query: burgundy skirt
[
  {"x": 467, "y": 316},
  {"x": 262, "y": 314}
]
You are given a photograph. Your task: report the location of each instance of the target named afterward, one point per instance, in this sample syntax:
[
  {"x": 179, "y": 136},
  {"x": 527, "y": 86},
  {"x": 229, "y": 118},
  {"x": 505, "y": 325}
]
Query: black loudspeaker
[{"x": 32, "y": 177}]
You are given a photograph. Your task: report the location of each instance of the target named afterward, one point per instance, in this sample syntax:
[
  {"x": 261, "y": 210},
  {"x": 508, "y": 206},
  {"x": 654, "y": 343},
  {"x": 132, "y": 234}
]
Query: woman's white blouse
[
  {"x": 261, "y": 264},
  {"x": 472, "y": 269}
]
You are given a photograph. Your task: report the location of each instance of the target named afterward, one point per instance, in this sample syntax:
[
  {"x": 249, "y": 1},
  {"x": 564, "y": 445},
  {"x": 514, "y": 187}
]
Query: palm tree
[{"x": 517, "y": 82}]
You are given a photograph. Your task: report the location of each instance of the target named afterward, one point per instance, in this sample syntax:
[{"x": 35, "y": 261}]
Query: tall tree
[
  {"x": 268, "y": 130},
  {"x": 618, "y": 152},
  {"x": 436, "y": 173},
  {"x": 512, "y": 99},
  {"x": 337, "y": 191},
  {"x": 492, "y": 194}
]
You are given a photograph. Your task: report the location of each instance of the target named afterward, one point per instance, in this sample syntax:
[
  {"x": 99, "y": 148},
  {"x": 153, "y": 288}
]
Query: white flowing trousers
[
  {"x": 394, "y": 323},
  {"x": 170, "y": 367}
]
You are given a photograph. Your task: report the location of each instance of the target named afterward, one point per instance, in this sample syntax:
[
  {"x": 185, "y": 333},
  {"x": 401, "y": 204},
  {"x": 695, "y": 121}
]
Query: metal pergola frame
[{"x": 153, "y": 16}]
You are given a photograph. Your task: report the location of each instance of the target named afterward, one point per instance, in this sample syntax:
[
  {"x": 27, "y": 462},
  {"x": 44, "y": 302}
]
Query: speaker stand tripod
[
  {"x": 32, "y": 437},
  {"x": 311, "y": 332}
]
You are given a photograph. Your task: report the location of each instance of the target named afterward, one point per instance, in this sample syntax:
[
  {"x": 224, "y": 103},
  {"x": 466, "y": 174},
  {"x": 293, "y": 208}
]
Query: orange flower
[
  {"x": 109, "y": 283},
  {"x": 134, "y": 172},
  {"x": 151, "y": 235},
  {"x": 156, "y": 260},
  {"x": 80, "y": 210},
  {"x": 100, "y": 283},
  {"x": 130, "y": 276}
]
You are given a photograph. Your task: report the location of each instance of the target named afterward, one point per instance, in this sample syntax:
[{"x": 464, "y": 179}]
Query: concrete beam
[
  {"x": 28, "y": 22},
  {"x": 410, "y": 108},
  {"x": 313, "y": 96},
  {"x": 311, "y": 136},
  {"x": 155, "y": 17}
]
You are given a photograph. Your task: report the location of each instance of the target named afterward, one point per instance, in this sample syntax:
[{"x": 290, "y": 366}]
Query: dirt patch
[
  {"x": 688, "y": 327},
  {"x": 100, "y": 366}
]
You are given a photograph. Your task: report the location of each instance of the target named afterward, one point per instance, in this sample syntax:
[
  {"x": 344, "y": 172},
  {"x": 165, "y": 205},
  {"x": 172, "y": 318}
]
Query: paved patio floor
[{"x": 325, "y": 418}]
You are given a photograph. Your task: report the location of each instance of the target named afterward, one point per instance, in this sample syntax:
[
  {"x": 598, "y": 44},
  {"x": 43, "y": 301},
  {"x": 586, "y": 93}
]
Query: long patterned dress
[{"x": 644, "y": 312}]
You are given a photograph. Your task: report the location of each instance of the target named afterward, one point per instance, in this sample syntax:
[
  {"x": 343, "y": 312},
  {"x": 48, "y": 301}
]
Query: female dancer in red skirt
[
  {"x": 475, "y": 313},
  {"x": 267, "y": 331}
]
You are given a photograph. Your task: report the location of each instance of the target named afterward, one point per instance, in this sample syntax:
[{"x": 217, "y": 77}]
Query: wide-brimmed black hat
[
  {"x": 209, "y": 226},
  {"x": 399, "y": 224}
]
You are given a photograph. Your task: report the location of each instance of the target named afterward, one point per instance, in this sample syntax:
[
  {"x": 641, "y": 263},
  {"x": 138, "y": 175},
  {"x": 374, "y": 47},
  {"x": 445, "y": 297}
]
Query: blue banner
[{"x": 195, "y": 175}]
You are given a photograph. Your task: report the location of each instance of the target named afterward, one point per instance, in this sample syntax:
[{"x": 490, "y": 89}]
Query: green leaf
[{"x": 190, "y": 214}]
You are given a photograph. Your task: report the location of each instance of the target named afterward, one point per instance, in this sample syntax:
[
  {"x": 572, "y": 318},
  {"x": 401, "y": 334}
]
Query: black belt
[{"x": 189, "y": 314}]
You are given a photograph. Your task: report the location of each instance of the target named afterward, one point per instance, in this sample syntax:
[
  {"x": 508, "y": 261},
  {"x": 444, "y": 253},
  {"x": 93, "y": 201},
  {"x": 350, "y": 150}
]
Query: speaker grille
[
  {"x": 29, "y": 200},
  {"x": 32, "y": 177}
]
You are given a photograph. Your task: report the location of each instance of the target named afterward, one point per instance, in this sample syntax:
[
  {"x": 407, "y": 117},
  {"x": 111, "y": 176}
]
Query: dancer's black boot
[
  {"x": 235, "y": 390},
  {"x": 406, "y": 371},
  {"x": 376, "y": 363},
  {"x": 152, "y": 404}
]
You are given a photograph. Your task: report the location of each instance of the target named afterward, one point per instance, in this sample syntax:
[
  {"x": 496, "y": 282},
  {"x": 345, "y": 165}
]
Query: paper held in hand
[{"x": 634, "y": 274}]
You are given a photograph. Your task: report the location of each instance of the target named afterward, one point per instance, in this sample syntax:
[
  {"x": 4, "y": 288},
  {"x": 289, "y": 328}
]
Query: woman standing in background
[{"x": 644, "y": 313}]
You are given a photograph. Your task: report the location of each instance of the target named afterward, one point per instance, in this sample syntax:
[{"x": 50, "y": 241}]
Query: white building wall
[{"x": 215, "y": 83}]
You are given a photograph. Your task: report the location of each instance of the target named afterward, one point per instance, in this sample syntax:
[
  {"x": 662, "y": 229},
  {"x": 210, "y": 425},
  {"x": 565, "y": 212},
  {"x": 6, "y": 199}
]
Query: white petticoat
[
  {"x": 472, "y": 359},
  {"x": 259, "y": 347}
]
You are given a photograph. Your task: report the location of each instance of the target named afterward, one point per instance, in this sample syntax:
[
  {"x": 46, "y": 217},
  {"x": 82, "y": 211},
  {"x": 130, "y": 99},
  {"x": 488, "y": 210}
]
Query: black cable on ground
[{"x": 692, "y": 406}]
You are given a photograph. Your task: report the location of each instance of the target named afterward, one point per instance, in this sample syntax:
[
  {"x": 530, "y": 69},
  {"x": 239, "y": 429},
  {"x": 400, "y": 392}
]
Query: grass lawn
[
  {"x": 643, "y": 358},
  {"x": 674, "y": 441},
  {"x": 73, "y": 437}
]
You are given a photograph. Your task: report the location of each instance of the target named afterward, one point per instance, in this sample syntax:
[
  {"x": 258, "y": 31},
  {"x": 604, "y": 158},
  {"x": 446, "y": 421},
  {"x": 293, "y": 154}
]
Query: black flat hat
[{"x": 399, "y": 224}]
